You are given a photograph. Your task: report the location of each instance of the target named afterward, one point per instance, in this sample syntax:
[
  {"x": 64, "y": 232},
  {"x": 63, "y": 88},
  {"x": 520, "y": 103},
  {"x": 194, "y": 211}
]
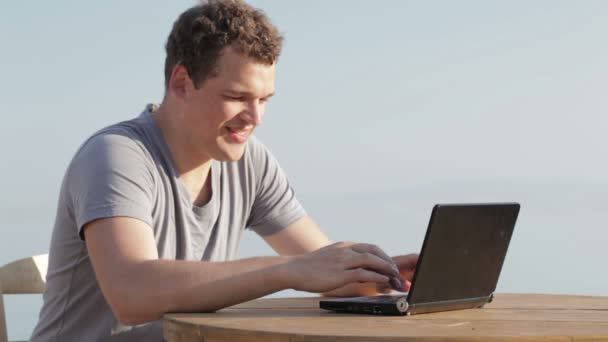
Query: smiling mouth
[
  {"x": 239, "y": 134},
  {"x": 242, "y": 131}
]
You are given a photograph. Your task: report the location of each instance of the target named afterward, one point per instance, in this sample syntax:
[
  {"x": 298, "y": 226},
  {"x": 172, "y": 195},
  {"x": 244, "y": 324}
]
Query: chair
[{"x": 23, "y": 276}]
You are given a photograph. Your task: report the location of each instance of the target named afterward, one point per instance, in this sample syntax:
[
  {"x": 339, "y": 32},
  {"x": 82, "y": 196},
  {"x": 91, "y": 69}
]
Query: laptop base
[
  {"x": 373, "y": 305},
  {"x": 392, "y": 305}
]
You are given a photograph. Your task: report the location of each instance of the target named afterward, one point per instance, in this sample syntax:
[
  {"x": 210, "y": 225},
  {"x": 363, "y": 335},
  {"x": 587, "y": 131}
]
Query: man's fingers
[
  {"x": 365, "y": 276},
  {"x": 407, "y": 265},
  {"x": 373, "y": 262},
  {"x": 373, "y": 249},
  {"x": 406, "y": 262},
  {"x": 406, "y": 286}
]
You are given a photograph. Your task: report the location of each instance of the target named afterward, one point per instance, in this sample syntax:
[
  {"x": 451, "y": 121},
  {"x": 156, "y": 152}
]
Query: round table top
[{"x": 529, "y": 317}]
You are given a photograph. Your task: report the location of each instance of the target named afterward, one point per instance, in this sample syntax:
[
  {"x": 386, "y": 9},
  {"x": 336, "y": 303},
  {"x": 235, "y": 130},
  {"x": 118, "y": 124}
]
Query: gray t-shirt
[{"x": 127, "y": 170}]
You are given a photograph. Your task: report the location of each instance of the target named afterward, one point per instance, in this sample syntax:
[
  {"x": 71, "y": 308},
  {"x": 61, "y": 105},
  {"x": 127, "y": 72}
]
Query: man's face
[{"x": 223, "y": 112}]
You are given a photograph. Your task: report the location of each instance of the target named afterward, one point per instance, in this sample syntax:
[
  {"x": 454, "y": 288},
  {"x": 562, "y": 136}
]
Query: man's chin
[{"x": 231, "y": 154}]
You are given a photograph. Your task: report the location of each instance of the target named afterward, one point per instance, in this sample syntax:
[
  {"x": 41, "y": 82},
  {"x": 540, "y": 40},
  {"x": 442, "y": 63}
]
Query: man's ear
[{"x": 180, "y": 82}]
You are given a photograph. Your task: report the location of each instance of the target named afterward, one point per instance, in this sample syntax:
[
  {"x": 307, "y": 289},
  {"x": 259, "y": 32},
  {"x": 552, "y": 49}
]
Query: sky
[
  {"x": 370, "y": 95},
  {"x": 382, "y": 109}
]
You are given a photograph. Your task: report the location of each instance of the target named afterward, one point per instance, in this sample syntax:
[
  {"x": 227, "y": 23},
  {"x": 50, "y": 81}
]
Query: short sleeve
[
  {"x": 109, "y": 177},
  {"x": 275, "y": 205}
]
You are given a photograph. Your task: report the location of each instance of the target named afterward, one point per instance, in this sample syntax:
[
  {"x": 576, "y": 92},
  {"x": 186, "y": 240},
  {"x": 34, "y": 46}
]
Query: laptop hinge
[{"x": 446, "y": 305}]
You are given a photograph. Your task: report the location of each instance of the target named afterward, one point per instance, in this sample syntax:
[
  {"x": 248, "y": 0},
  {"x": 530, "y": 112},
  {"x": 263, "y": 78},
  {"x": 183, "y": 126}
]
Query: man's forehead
[
  {"x": 228, "y": 58},
  {"x": 245, "y": 75}
]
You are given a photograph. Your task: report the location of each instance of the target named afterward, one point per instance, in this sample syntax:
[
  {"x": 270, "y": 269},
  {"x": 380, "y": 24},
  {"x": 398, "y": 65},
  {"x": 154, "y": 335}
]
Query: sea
[{"x": 558, "y": 247}]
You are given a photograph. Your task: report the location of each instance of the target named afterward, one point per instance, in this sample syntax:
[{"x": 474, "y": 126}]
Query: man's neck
[{"x": 193, "y": 169}]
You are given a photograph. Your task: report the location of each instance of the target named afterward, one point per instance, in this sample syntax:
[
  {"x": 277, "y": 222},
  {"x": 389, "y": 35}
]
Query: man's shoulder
[
  {"x": 124, "y": 145},
  {"x": 116, "y": 153},
  {"x": 130, "y": 135}
]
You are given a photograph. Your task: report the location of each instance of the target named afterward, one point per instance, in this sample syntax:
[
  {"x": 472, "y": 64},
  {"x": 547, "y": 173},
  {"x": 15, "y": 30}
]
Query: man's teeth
[{"x": 241, "y": 132}]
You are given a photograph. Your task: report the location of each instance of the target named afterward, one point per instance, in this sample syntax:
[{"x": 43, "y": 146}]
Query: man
[{"x": 151, "y": 210}]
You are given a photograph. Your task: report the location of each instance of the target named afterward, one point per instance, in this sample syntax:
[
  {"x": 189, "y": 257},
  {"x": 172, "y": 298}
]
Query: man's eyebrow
[{"x": 246, "y": 93}]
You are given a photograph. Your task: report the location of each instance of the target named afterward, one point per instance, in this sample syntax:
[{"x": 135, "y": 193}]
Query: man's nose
[{"x": 254, "y": 112}]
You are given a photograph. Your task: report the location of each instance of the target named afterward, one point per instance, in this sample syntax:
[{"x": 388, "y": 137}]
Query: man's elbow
[
  {"x": 134, "y": 317},
  {"x": 132, "y": 311}
]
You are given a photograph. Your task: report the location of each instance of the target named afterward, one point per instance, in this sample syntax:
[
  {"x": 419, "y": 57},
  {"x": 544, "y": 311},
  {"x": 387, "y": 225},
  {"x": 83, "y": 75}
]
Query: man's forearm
[{"x": 151, "y": 288}]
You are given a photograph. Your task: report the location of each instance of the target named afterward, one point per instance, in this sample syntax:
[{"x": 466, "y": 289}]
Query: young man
[{"x": 151, "y": 210}]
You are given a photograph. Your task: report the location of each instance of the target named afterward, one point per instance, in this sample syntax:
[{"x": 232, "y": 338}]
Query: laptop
[{"x": 459, "y": 265}]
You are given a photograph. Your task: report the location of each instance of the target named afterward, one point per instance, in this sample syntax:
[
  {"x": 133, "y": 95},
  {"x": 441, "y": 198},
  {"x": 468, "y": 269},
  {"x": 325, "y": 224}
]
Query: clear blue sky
[
  {"x": 420, "y": 92},
  {"x": 422, "y": 100}
]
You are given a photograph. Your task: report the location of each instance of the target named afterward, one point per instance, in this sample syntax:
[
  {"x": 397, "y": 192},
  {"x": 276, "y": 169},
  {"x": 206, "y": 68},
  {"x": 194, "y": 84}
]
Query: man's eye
[{"x": 234, "y": 98}]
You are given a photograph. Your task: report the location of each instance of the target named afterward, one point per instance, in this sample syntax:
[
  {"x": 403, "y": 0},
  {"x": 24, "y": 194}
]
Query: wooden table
[{"x": 524, "y": 317}]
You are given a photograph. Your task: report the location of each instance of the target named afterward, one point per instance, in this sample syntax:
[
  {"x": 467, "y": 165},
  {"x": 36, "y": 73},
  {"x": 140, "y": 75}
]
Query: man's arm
[
  {"x": 302, "y": 236},
  {"x": 140, "y": 288},
  {"x": 305, "y": 236}
]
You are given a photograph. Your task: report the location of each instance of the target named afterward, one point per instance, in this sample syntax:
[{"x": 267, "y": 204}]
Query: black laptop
[{"x": 460, "y": 262}]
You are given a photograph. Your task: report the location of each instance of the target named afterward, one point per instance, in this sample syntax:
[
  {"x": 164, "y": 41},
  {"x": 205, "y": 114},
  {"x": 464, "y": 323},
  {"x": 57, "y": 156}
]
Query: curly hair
[{"x": 201, "y": 33}]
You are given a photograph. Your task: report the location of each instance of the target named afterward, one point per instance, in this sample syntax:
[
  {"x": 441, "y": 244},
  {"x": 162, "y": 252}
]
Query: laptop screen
[{"x": 463, "y": 251}]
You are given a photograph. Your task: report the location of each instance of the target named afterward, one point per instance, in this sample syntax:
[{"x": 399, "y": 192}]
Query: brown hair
[{"x": 201, "y": 33}]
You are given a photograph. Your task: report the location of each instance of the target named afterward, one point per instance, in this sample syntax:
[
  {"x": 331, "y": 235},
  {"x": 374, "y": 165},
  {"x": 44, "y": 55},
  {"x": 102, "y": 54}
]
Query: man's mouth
[{"x": 239, "y": 134}]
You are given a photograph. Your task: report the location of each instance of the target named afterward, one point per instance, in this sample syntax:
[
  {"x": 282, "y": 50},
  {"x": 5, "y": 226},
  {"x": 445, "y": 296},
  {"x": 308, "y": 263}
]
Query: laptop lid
[{"x": 462, "y": 256}]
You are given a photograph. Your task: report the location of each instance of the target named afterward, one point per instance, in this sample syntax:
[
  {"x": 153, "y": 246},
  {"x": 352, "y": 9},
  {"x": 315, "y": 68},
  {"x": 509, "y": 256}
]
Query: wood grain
[
  {"x": 22, "y": 276},
  {"x": 522, "y": 317}
]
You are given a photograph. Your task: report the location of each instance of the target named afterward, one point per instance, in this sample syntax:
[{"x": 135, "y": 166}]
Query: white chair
[{"x": 23, "y": 276}]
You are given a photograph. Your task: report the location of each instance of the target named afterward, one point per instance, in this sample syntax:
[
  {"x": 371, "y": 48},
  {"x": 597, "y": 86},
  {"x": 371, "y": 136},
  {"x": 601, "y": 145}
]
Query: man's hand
[
  {"x": 339, "y": 264},
  {"x": 316, "y": 272},
  {"x": 407, "y": 267}
]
